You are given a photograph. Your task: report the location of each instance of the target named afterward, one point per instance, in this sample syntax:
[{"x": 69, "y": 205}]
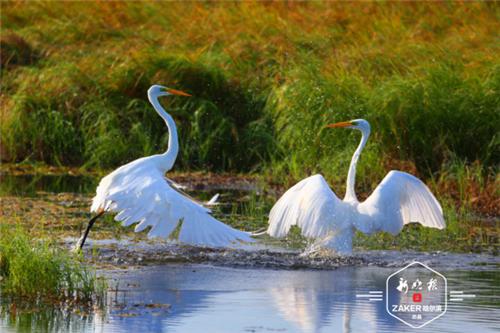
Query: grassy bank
[
  {"x": 35, "y": 272},
  {"x": 266, "y": 78}
]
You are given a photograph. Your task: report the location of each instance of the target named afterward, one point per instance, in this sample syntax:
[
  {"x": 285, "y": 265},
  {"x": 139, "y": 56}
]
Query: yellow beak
[
  {"x": 341, "y": 124},
  {"x": 177, "y": 92}
]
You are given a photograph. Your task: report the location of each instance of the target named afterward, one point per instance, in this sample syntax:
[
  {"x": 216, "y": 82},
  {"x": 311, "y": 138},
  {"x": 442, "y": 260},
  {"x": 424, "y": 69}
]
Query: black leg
[{"x": 80, "y": 243}]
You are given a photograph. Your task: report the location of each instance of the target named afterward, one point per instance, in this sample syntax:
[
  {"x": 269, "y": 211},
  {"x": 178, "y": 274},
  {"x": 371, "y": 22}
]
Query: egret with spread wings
[
  {"x": 140, "y": 193},
  {"x": 311, "y": 205}
]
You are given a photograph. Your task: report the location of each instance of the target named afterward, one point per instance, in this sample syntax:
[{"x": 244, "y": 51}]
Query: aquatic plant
[{"x": 39, "y": 271}]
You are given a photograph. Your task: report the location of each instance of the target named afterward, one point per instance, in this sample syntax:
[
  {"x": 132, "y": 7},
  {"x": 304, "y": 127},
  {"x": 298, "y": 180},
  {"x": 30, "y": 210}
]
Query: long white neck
[
  {"x": 350, "y": 194},
  {"x": 173, "y": 143}
]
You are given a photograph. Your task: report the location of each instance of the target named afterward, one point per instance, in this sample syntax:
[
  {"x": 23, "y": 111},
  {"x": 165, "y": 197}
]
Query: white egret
[
  {"x": 140, "y": 193},
  {"x": 311, "y": 205}
]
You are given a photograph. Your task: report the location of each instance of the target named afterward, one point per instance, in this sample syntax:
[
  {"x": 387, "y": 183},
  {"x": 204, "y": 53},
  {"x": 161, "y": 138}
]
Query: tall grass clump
[
  {"x": 75, "y": 121},
  {"x": 38, "y": 271},
  {"x": 443, "y": 114},
  {"x": 16, "y": 51},
  {"x": 424, "y": 119},
  {"x": 302, "y": 107}
]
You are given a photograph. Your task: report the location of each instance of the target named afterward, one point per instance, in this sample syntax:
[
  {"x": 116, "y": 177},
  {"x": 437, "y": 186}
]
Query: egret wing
[
  {"x": 398, "y": 200},
  {"x": 310, "y": 205},
  {"x": 149, "y": 200},
  {"x": 180, "y": 189},
  {"x": 176, "y": 185}
]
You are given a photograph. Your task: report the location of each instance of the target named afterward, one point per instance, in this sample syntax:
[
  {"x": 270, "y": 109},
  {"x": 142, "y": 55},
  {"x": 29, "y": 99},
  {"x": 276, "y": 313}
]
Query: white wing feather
[
  {"x": 139, "y": 193},
  {"x": 398, "y": 200},
  {"x": 310, "y": 205}
]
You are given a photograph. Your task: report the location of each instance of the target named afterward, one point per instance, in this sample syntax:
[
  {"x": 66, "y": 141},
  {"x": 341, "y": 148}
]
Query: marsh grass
[
  {"x": 428, "y": 120},
  {"x": 221, "y": 128},
  {"x": 16, "y": 51},
  {"x": 266, "y": 78},
  {"x": 248, "y": 212},
  {"x": 36, "y": 271}
]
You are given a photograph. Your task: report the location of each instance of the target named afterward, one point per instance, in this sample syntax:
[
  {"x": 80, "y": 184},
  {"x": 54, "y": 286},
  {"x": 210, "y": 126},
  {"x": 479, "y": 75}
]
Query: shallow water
[
  {"x": 205, "y": 298},
  {"x": 33, "y": 184}
]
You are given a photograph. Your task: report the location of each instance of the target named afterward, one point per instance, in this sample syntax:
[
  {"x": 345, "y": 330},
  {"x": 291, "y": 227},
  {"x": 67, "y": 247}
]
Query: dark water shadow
[{"x": 30, "y": 185}]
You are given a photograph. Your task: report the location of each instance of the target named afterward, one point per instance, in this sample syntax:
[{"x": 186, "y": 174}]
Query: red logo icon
[{"x": 417, "y": 297}]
